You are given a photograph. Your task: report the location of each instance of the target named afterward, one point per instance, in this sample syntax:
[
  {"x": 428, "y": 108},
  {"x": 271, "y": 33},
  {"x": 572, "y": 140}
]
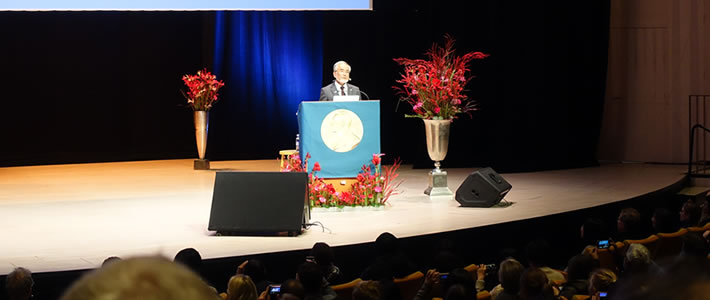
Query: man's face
[{"x": 342, "y": 73}]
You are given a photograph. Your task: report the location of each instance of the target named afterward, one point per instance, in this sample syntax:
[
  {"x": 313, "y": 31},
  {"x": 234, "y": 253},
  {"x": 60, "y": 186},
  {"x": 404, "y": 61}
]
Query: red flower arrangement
[
  {"x": 434, "y": 87},
  {"x": 370, "y": 189},
  {"x": 202, "y": 89}
]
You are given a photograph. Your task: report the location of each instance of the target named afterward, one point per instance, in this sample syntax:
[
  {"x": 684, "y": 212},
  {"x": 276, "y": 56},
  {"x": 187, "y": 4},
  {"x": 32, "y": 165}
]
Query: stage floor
[{"x": 66, "y": 217}]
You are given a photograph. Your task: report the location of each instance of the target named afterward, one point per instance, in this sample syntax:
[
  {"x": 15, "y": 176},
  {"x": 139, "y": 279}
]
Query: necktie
[{"x": 342, "y": 90}]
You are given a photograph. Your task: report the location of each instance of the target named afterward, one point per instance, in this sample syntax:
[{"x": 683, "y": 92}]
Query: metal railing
[{"x": 698, "y": 164}]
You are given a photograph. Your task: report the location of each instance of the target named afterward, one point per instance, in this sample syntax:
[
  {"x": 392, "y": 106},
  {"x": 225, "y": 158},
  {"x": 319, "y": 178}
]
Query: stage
[{"x": 67, "y": 217}]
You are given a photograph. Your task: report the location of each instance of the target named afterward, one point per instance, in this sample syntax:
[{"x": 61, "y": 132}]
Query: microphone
[{"x": 368, "y": 97}]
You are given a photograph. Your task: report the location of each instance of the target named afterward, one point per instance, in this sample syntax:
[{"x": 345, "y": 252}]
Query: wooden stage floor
[{"x": 66, "y": 217}]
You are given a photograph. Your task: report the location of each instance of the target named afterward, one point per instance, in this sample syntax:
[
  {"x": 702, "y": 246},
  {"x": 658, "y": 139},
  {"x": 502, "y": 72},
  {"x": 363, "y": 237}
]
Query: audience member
[
  {"x": 315, "y": 286},
  {"x": 256, "y": 271},
  {"x": 694, "y": 246},
  {"x": 18, "y": 284},
  {"x": 459, "y": 292},
  {"x": 190, "y": 258},
  {"x": 325, "y": 259},
  {"x": 593, "y": 230},
  {"x": 578, "y": 270},
  {"x": 389, "y": 262},
  {"x": 538, "y": 253},
  {"x": 110, "y": 260},
  {"x": 367, "y": 290},
  {"x": 509, "y": 274},
  {"x": 689, "y": 214},
  {"x": 292, "y": 288},
  {"x": 663, "y": 221},
  {"x": 241, "y": 287},
  {"x": 628, "y": 225},
  {"x": 601, "y": 281},
  {"x": 147, "y": 278},
  {"x": 704, "y": 212},
  {"x": 637, "y": 261},
  {"x": 685, "y": 279},
  {"x": 535, "y": 285}
]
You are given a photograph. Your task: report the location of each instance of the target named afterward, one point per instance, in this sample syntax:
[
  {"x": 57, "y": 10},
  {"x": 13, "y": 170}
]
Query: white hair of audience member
[
  {"x": 147, "y": 278},
  {"x": 637, "y": 255}
]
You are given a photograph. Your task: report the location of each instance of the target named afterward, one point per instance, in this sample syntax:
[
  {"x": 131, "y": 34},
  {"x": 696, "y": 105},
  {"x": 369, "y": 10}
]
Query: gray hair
[
  {"x": 335, "y": 66},
  {"x": 637, "y": 254}
]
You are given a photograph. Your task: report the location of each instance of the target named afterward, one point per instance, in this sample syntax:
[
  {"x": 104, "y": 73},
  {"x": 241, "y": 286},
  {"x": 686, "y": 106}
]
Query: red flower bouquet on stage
[
  {"x": 373, "y": 187},
  {"x": 203, "y": 90},
  {"x": 434, "y": 87}
]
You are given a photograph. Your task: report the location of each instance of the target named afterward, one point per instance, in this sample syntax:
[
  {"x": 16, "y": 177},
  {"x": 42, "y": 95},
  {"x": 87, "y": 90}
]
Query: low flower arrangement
[
  {"x": 202, "y": 90},
  {"x": 434, "y": 87},
  {"x": 374, "y": 185}
]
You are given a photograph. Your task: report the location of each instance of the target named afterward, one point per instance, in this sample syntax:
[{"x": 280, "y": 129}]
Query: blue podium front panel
[{"x": 340, "y": 136}]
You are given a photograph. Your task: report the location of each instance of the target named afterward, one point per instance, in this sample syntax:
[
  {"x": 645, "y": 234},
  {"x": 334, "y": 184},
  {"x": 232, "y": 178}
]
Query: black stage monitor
[
  {"x": 483, "y": 188},
  {"x": 259, "y": 203}
]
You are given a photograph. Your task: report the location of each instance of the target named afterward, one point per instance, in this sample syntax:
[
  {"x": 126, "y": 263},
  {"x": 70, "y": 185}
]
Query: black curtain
[{"x": 104, "y": 86}]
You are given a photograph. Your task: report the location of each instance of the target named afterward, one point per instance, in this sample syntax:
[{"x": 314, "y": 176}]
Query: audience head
[
  {"x": 18, "y": 284},
  {"x": 689, "y": 214},
  {"x": 629, "y": 221},
  {"x": 663, "y": 220},
  {"x": 533, "y": 284},
  {"x": 323, "y": 254},
  {"x": 294, "y": 288},
  {"x": 593, "y": 230},
  {"x": 190, "y": 258},
  {"x": 459, "y": 276},
  {"x": 255, "y": 270},
  {"x": 386, "y": 244},
  {"x": 110, "y": 260},
  {"x": 367, "y": 290},
  {"x": 685, "y": 279},
  {"x": 310, "y": 277},
  {"x": 538, "y": 253},
  {"x": 459, "y": 292},
  {"x": 580, "y": 266},
  {"x": 445, "y": 261},
  {"x": 637, "y": 259},
  {"x": 147, "y": 278},
  {"x": 509, "y": 275},
  {"x": 694, "y": 245},
  {"x": 601, "y": 280},
  {"x": 241, "y": 287}
]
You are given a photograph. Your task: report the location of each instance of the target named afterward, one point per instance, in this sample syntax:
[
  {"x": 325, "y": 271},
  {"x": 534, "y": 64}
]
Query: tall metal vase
[
  {"x": 202, "y": 123},
  {"x": 437, "y": 144}
]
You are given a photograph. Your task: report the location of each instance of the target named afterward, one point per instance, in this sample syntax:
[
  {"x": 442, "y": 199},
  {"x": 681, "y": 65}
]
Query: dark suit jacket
[{"x": 328, "y": 91}]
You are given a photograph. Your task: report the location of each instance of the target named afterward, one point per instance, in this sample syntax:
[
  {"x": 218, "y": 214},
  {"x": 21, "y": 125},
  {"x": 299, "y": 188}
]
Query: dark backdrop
[{"x": 104, "y": 86}]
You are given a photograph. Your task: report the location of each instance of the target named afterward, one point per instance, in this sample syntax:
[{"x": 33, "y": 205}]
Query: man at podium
[{"x": 340, "y": 86}]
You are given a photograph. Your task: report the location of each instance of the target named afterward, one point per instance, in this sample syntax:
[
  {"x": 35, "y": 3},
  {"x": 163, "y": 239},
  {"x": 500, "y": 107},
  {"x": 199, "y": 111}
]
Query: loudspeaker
[
  {"x": 483, "y": 188},
  {"x": 259, "y": 203}
]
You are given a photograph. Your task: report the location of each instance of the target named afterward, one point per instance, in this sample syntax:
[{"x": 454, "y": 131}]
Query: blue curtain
[{"x": 270, "y": 62}]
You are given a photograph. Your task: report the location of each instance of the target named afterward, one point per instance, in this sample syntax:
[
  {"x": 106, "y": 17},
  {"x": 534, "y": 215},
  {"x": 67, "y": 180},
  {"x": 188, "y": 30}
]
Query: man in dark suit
[{"x": 340, "y": 86}]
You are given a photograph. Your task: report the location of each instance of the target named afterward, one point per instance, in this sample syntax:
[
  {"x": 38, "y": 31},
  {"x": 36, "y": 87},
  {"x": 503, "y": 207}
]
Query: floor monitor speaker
[
  {"x": 257, "y": 203},
  {"x": 483, "y": 188}
]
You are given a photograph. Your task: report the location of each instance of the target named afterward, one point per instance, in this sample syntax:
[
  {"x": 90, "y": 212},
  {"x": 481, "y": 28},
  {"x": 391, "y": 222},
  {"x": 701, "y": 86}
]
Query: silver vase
[
  {"x": 202, "y": 123},
  {"x": 437, "y": 144}
]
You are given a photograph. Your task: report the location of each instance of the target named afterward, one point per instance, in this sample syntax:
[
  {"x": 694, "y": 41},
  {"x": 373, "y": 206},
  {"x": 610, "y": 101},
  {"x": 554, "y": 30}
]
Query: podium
[{"x": 340, "y": 136}]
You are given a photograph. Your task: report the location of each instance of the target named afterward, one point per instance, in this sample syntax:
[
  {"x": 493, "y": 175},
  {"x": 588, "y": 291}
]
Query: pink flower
[
  {"x": 378, "y": 189},
  {"x": 437, "y": 110},
  {"x": 414, "y": 92},
  {"x": 418, "y": 105},
  {"x": 321, "y": 199},
  {"x": 456, "y": 102},
  {"x": 316, "y": 167}
]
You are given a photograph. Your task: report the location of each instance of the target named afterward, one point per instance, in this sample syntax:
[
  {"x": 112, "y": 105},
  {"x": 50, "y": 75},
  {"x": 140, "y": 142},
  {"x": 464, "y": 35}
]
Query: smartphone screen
[{"x": 603, "y": 244}]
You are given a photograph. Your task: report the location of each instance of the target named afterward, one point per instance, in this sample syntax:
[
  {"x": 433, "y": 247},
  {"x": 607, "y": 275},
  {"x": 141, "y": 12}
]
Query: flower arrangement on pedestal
[
  {"x": 373, "y": 187},
  {"x": 434, "y": 87},
  {"x": 202, "y": 90}
]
